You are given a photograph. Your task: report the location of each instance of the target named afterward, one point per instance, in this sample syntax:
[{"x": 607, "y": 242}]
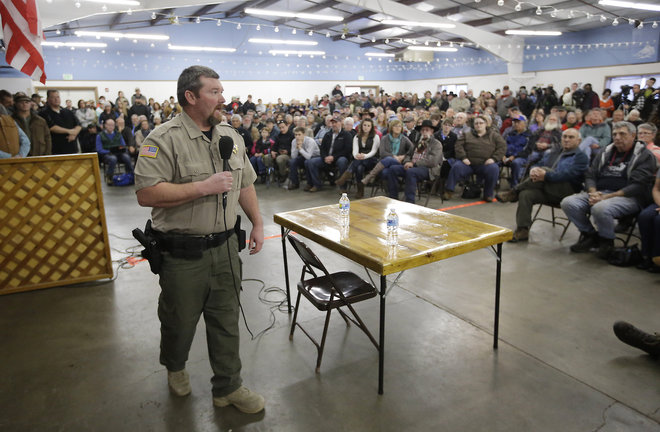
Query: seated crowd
[
  {"x": 113, "y": 130},
  {"x": 596, "y": 158}
]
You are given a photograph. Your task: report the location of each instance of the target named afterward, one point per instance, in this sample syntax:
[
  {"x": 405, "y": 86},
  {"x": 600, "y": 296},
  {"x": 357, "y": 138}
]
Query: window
[
  {"x": 453, "y": 88},
  {"x": 369, "y": 90},
  {"x": 615, "y": 83}
]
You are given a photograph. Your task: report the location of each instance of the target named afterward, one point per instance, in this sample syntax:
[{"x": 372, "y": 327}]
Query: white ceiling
[{"x": 481, "y": 22}]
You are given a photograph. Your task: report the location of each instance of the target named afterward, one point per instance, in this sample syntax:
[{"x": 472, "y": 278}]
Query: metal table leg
[
  {"x": 497, "y": 294},
  {"x": 381, "y": 341},
  {"x": 286, "y": 267}
]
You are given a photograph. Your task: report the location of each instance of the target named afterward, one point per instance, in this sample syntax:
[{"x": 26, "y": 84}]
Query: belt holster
[
  {"x": 152, "y": 251},
  {"x": 240, "y": 234}
]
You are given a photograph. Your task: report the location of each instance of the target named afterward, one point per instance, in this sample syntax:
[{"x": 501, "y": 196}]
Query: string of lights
[{"x": 345, "y": 33}]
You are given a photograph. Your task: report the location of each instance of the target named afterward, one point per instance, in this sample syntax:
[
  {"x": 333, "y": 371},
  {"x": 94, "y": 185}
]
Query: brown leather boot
[
  {"x": 372, "y": 175},
  {"x": 344, "y": 178},
  {"x": 360, "y": 190}
]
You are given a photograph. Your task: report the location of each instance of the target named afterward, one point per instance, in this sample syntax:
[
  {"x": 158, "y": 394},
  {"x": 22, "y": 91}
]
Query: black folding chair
[
  {"x": 625, "y": 229},
  {"x": 562, "y": 221},
  {"x": 431, "y": 188},
  {"x": 328, "y": 292}
]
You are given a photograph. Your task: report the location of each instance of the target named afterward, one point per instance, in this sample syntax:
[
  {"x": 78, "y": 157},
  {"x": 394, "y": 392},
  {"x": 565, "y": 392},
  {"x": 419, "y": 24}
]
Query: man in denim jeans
[{"x": 618, "y": 184}]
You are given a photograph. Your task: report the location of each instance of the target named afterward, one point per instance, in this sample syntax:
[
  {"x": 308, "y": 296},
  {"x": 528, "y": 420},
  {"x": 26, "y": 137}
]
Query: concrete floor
[{"x": 85, "y": 358}]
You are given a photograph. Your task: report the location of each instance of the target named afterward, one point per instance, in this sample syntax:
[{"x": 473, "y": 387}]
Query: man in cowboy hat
[{"x": 422, "y": 162}]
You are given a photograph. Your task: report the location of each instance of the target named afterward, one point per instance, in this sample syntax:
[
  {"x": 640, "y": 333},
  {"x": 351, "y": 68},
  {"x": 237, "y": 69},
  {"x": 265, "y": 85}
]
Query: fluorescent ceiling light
[
  {"x": 282, "y": 41},
  {"x": 294, "y": 52},
  {"x": 267, "y": 12},
  {"x": 199, "y": 48},
  {"x": 631, "y": 5},
  {"x": 417, "y": 24},
  {"x": 117, "y": 35},
  {"x": 532, "y": 33},
  {"x": 75, "y": 44},
  {"x": 378, "y": 54},
  {"x": 428, "y": 48},
  {"x": 116, "y": 2},
  {"x": 252, "y": 11},
  {"x": 424, "y": 7}
]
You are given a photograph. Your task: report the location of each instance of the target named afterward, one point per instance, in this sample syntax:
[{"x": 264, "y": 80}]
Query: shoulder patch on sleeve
[{"x": 149, "y": 151}]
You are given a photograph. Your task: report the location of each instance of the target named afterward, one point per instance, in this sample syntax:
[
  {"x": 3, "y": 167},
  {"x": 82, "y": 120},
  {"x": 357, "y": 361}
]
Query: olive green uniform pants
[{"x": 190, "y": 288}]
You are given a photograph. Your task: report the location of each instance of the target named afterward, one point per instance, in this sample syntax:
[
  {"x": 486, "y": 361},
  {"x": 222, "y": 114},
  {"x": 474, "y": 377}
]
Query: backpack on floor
[
  {"x": 125, "y": 179},
  {"x": 471, "y": 191},
  {"x": 625, "y": 256}
]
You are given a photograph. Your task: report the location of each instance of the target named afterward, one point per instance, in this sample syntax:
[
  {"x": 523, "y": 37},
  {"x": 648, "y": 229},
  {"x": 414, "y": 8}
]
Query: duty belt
[{"x": 190, "y": 246}]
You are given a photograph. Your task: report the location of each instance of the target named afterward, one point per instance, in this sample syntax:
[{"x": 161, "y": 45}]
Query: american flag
[
  {"x": 22, "y": 36},
  {"x": 149, "y": 151}
]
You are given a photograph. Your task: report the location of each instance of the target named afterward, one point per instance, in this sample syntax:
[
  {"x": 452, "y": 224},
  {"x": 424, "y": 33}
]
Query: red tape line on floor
[{"x": 464, "y": 205}]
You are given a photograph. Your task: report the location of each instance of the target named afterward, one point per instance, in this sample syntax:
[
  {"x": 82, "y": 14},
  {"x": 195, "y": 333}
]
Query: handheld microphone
[{"x": 226, "y": 146}]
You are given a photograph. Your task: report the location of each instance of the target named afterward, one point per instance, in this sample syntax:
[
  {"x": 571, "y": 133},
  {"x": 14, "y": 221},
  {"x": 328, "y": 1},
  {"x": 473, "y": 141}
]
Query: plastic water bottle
[
  {"x": 344, "y": 209},
  {"x": 392, "y": 228}
]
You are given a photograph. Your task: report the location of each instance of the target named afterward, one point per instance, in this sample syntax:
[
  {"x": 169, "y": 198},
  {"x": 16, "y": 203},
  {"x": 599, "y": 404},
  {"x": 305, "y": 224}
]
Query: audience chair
[
  {"x": 505, "y": 173},
  {"x": 327, "y": 292},
  {"x": 431, "y": 188},
  {"x": 270, "y": 176},
  {"x": 626, "y": 229},
  {"x": 562, "y": 221},
  {"x": 378, "y": 185}
]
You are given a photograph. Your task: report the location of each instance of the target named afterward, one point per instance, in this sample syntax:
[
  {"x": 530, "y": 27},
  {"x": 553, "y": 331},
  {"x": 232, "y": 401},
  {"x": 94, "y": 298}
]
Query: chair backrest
[
  {"x": 309, "y": 258},
  {"x": 310, "y": 262}
]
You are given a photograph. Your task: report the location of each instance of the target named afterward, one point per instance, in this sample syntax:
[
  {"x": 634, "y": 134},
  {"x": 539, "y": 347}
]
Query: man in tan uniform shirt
[{"x": 180, "y": 174}]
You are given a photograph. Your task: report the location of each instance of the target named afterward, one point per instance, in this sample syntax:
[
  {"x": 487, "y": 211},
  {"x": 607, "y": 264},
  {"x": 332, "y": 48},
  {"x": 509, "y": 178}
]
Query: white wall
[
  {"x": 269, "y": 91},
  {"x": 14, "y": 85},
  {"x": 558, "y": 78}
]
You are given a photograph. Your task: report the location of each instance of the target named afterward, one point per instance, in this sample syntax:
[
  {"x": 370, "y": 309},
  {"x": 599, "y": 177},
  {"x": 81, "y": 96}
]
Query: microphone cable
[{"x": 233, "y": 275}]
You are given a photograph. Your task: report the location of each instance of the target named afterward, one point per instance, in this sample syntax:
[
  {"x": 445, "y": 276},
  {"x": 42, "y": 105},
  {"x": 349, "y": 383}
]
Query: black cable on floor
[
  {"x": 265, "y": 296},
  {"x": 273, "y": 296}
]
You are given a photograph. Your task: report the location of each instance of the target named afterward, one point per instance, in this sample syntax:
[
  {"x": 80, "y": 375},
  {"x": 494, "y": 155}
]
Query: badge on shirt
[
  {"x": 149, "y": 151},
  {"x": 235, "y": 149}
]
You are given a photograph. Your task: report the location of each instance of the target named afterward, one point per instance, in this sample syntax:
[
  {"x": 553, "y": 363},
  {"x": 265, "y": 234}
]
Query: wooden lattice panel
[{"x": 53, "y": 230}]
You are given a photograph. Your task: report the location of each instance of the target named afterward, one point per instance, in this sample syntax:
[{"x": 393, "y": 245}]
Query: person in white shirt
[
  {"x": 365, "y": 149},
  {"x": 303, "y": 148}
]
